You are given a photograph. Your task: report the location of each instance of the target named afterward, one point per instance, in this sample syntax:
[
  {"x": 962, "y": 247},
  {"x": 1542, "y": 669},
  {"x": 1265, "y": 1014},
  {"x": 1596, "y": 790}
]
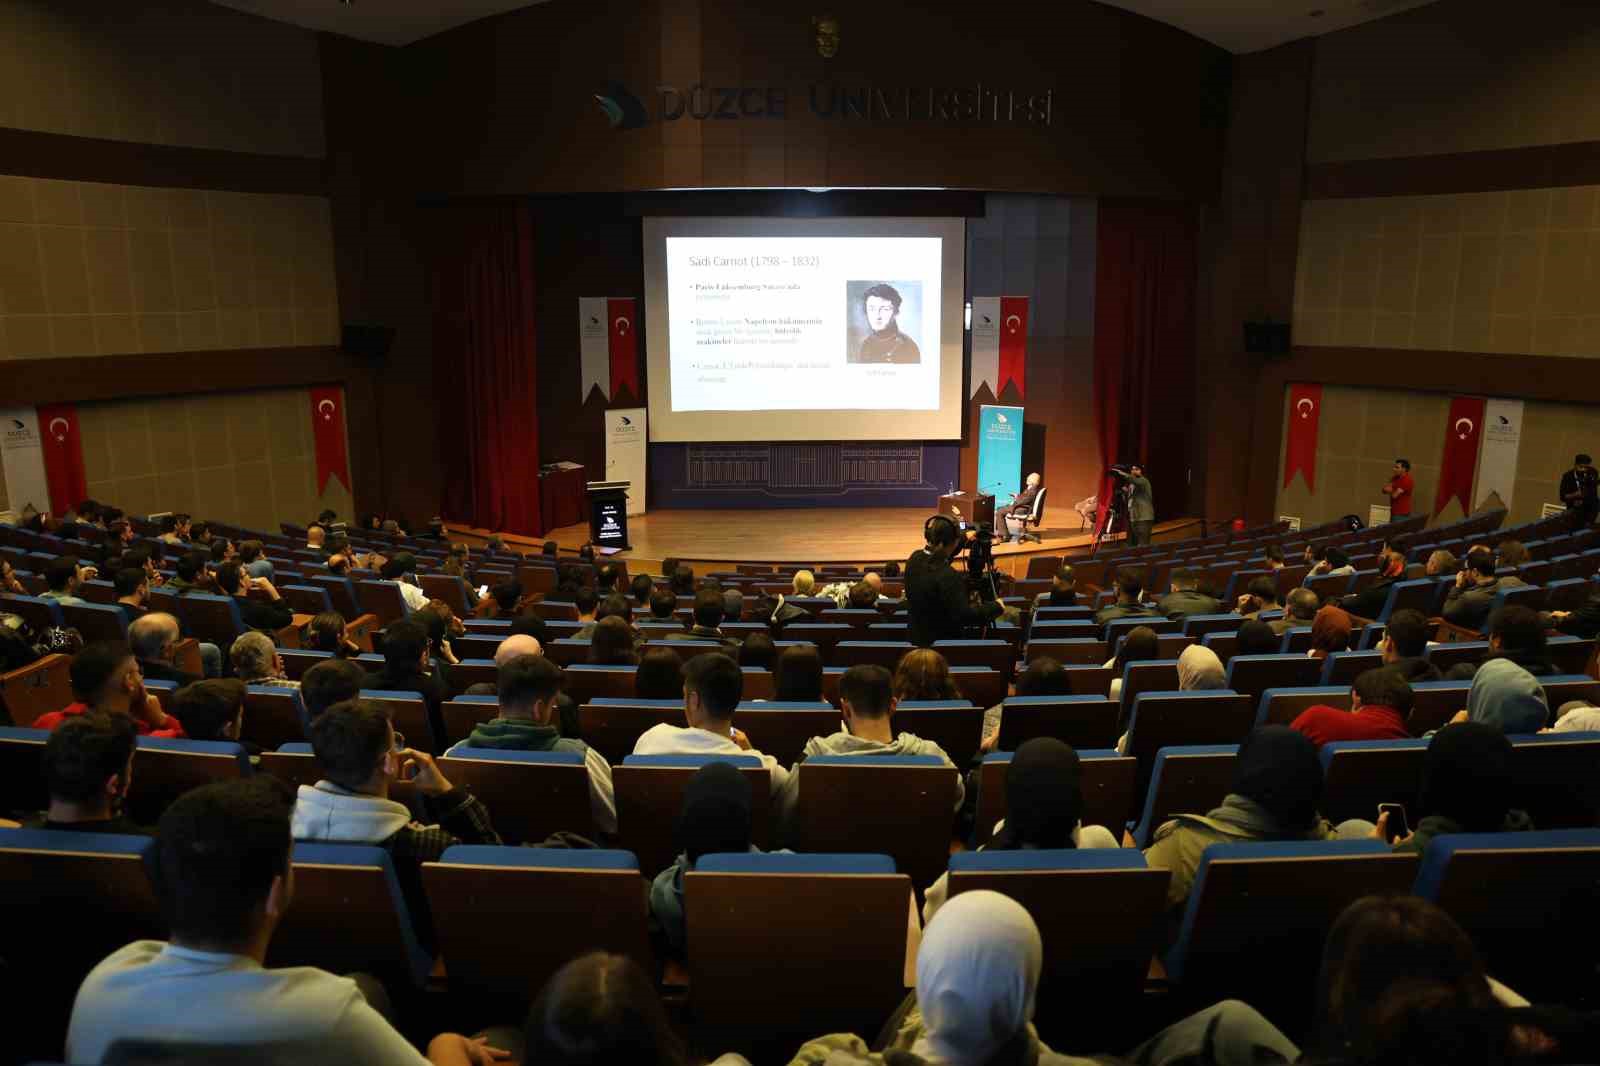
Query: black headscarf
[
  {"x": 1278, "y": 768},
  {"x": 716, "y": 812},
  {"x": 1466, "y": 777},
  {"x": 1044, "y": 797}
]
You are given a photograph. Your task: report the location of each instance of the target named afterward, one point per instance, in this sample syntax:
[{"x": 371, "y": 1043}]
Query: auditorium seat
[
  {"x": 1572, "y": 655},
  {"x": 1186, "y": 779},
  {"x": 1444, "y": 656},
  {"x": 1281, "y": 706},
  {"x": 480, "y": 644},
  {"x": 1169, "y": 719},
  {"x": 1107, "y": 782},
  {"x": 1153, "y": 675},
  {"x": 1081, "y": 721},
  {"x": 96, "y": 621},
  {"x": 1360, "y": 774},
  {"x": 273, "y": 715},
  {"x": 899, "y": 805},
  {"x": 1222, "y": 645},
  {"x": 612, "y": 725},
  {"x": 451, "y": 589},
  {"x": 530, "y": 794},
  {"x": 306, "y": 599},
  {"x": 38, "y": 688},
  {"x": 649, "y": 791},
  {"x": 855, "y": 617},
  {"x": 1296, "y": 639},
  {"x": 1527, "y": 900},
  {"x": 998, "y": 655},
  {"x": 349, "y": 915},
  {"x": 1424, "y": 594},
  {"x": 825, "y": 635},
  {"x": 1117, "y": 627},
  {"x": 164, "y": 769},
  {"x": 1568, "y": 594},
  {"x": 1074, "y": 628},
  {"x": 1072, "y": 651},
  {"x": 980, "y": 684},
  {"x": 686, "y": 649},
  {"x": 1251, "y": 675},
  {"x": 1198, "y": 625},
  {"x": 466, "y": 672},
  {"x": 382, "y": 599},
  {"x": 465, "y": 713},
  {"x": 955, "y": 725},
  {"x": 1556, "y": 781},
  {"x": 1062, "y": 614},
  {"x": 585, "y": 682},
  {"x": 210, "y": 618},
  {"x": 776, "y": 975},
  {"x": 1101, "y": 916},
  {"x": 556, "y": 610},
  {"x": 1343, "y": 667},
  {"x": 884, "y": 653},
  {"x": 1089, "y": 680},
  {"x": 98, "y": 591},
  {"x": 40, "y": 614},
  {"x": 781, "y": 728},
  {"x": 1259, "y": 913}
]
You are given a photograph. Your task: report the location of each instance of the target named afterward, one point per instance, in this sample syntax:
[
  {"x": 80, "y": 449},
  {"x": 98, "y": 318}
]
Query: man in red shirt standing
[
  {"x": 106, "y": 678},
  {"x": 1380, "y": 700},
  {"x": 1399, "y": 489}
]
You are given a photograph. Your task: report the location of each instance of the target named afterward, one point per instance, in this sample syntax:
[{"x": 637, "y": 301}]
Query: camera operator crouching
[{"x": 938, "y": 598}]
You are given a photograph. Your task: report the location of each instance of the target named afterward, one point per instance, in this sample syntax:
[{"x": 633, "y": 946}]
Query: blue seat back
[{"x": 316, "y": 931}]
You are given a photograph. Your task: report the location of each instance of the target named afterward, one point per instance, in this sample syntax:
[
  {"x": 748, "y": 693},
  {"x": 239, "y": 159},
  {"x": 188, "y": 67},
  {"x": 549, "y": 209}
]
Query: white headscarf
[
  {"x": 977, "y": 972},
  {"x": 1580, "y": 719},
  {"x": 1199, "y": 668}
]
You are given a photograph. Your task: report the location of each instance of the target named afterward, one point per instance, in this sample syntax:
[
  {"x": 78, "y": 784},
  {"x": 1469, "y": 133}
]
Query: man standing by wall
[
  {"x": 1399, "y": 490},
  {"x": 1141, "y": 506},
  {"x": 1580, "y": 491}
]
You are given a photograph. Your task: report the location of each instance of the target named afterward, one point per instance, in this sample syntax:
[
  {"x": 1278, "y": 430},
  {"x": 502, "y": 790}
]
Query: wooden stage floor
[{"x": 818, "y": 535}]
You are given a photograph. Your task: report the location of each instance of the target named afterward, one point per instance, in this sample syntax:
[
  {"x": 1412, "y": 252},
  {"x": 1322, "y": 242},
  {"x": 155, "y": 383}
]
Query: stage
[{"x": 704, "y": 539}]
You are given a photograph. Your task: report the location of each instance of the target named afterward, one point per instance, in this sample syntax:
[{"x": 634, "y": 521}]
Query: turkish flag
[
  {"x": 1013, "y": 343},
  {"x": 1300, "y": 452},
  {"x": 1462, "y": 432},
  {"x": 327, "y": 431},
  {"x": 61, "y": 443},
  {"x": 621, "y": 334}
]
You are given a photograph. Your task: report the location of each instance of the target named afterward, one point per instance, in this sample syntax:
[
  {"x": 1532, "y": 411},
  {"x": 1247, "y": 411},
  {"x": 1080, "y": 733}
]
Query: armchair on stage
[
  {"x": 1033, "y": 518},
  {"x": 1088, "y": 509}
]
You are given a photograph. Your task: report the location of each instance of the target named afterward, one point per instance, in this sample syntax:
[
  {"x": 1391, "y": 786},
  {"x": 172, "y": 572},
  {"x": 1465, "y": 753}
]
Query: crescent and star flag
[
  {"x": 1013, "y": 342},
  {"x": 1300, "y": 451},
  {"x": 61, "y": 444},
  {"x": 622, "y": 345},
  {"x": 327, "y": 430},
  {"x": 1462, "y": 432}
]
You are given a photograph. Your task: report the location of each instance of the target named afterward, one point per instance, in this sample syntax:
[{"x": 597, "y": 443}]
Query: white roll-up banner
[
  {"x": 1497, "y": 458},
  {"x": 985, "y": 345},
  {"x": 625, "y": 453},
  {"x": 23, "y": 459},
  {"x": 594, "y": 346}
]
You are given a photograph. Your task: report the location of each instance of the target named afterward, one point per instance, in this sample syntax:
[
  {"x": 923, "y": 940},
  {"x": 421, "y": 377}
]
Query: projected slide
[
  {"x": 804, "y": 329},
  {"x": 770, "y": 323}
]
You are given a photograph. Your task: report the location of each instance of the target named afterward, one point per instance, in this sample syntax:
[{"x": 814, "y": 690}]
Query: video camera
[{"x": 978, "y": 543}]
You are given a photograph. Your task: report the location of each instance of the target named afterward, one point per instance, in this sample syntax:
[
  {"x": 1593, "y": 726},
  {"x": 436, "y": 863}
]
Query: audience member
[
  {"x": 504, "y": 601},
  {"x": 1139, "y": 645},
  {"x": 549, "y": 548},
  {"x": 252, "y": 556},
  {"x": 1583, "y": 622},
  {"x": 639, "y": 589},
  {"x": 402, "y": 570},
  {"x": 1199, "y": 669},
  {"x": 867, "y": 702},
  {"x": 1273, "y": 554},
  {"x": 330, "y": 682},
  {"x": 256, "y": 661},
  {"x": 437, "y": 620},
  {"x": 1515, "y": 633},
  {"x": 1044, "y": 809},
  {"x": 1467, "y": 783},
  {"x": 1576, "y": 716},
  {"x": 712, "y": 685},
  {"x": 612, "y": 643},
  {"x": 923, "y": 674},
  {"x": 587, "y": 602},
  {"x": 1185, "y": 599},
  {"x": 758, "y": 651},
  {"x": 1369, "y": 602},
  {"x": 682, "y": 581},
  {"x": 1441, "y": 564},
  {"x": 1063, "y": 591},
  {"x": 605, "y": 579},
  {"x": 106, "y": 679},
  {"x": 804, "y": 584},
  {"x": 133, "y": 593},
  {"x": 797, "y": 677},
  {"x": 1380, "y": 701},
  {"x": 1330, "y": 632},
  {"x": 221, "y": 872},
  {"x": 1299, "y": 610},
  {"x": 63, "y": 578},
  {"x": 408, "y": 667},
  {"x": 329, "y": 632},
  {"x": 211, "y": 710},
  {"x": 1506, "y": 697},
  {"x": 154, "y": 638},
  {"x": 191, "y": 574},
  {"x": 663, "y": 605},
  {"x": 1256, "y": 637},
  {"x": 1130, "y": 586},
  {"x": 12, "y": 585},
  {"x": 1511, "y": 553},
  {"x": 660, "y": 676},
  {"x": 175, "y": 529},
  {"x": 87, "y": 767},
  {"x": 1042, "y": 677},
  {"x": 715, "y": 818},
  {"x": 1260, "y": 595},
  {"x": 1332, "y": 561},
  {"x": 1405, "y": 643},
  {"x": 1277, "y": 784},
  {"x": 707, "y": 622},
  {"x": 1468, "y": 604},
  {"x": 361, "y": 757},
  {"x": 270, "y": 614}
]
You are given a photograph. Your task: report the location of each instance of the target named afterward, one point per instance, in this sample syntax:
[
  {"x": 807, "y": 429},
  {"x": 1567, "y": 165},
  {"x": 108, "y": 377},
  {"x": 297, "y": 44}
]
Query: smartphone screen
[
  {"x": 1397, "y": 828},
  {"x": 483, "y": 590}
]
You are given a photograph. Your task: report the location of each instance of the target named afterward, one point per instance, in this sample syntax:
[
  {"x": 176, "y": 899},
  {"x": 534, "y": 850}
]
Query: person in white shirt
[
  {"x": 221, "y": 870},
  {"x": 712, "y": 685},
  {"x": 402, "y": 571}
]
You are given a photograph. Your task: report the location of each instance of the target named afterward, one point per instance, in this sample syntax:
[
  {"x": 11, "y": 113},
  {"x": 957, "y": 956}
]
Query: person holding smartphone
[{"x": 1466, "y": 788}]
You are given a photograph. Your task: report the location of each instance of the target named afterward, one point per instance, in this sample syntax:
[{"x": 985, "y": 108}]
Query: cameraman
[{"x": 936, "y": 595}]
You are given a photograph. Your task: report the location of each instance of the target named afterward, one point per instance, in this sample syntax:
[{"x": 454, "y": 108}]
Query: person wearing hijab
[
  {"x": 1466, "y": 787},
  {"x": 978, "y": 973},
  {"x": 1277, "y": 784},
  {"x": 1139, "y": 645},
  {"x": 1199, "y": 669},
  {"x": 1330, "y": 632},
  {"x": 1506, "y": 697},
  {"x": 1044, "y": 809},
  {"x": 715, "y": 818}
]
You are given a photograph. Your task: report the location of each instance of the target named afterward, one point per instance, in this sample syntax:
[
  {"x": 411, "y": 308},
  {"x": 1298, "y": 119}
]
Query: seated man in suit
[
  {"x": 1021, "y": 505},
  {"x": 708, "y": 615}
]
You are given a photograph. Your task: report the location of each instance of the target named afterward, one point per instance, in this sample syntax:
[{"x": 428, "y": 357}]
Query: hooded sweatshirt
[
  {"x": 843, "y": 743},
  {"x": 1507, "y": 697}
]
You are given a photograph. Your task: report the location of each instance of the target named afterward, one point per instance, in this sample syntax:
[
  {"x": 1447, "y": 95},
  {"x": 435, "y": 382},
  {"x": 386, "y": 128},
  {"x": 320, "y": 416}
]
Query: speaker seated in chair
[{"x": 1017, "y": 524}]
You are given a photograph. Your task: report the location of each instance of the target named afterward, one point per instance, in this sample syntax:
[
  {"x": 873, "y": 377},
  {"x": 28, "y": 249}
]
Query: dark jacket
[
  {"x": 1585, "y": 621},
  {"x": 1368, "y": 603},
  {"x": 1183, "y": 604},
  {"x": 1123, "y": 610},
  {"x": 1538, "y": 666},
  {"x": 155, "y": 670},
  {"x": 702, "y": 633},
  {"x": 265, "y": 614},
  {"x": 120, "y": 824},
  {"x": 1415, "y": 670},
  {"x": 1469, "y": 607},
  {"x": 1438, "y": 825},
  {"x": 936, "y": 597},
  {"x": 1023, "y": 504},
  {"x": 132, "y": 613}
]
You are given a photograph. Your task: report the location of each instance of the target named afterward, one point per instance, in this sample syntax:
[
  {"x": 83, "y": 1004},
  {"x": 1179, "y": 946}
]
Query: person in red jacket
[
  {"x": 105, "y": 677},
  {"x": 1380, "y": 700},
  {"x": 1399, "y": 490}
]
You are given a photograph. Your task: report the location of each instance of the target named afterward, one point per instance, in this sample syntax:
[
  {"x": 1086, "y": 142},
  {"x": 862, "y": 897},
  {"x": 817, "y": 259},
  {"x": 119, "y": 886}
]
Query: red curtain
[
  {"x": 485, "y": 358},
  {"x": 1144, "y": 344}
]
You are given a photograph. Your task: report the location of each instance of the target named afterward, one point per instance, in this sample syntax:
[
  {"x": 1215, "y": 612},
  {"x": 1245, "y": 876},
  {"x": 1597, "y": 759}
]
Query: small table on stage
[
  {"x": 561, "y": 495},
  {"x": 969, "y": 509}
]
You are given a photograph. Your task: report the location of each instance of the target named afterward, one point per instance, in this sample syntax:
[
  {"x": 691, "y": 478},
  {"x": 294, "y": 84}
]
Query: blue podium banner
[{"x": 999, "y": 451}]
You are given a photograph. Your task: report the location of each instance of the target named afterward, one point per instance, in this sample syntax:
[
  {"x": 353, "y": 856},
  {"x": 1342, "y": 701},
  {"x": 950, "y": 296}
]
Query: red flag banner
[
  {"x": 1463, "y": 431},
  {"x": 1300, "y": 450},
  {"x": 327, "y": 431},
  {"x": 623, "y": 346},
  {"x": 61, "y": 443},
  {"x": 1013, "y": 343}
]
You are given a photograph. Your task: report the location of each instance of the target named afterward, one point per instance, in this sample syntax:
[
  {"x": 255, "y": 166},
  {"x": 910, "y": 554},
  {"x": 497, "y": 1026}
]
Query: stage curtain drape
[
  {"x": 485, "y": 365},
  {"x": 1144, "y": 343}
]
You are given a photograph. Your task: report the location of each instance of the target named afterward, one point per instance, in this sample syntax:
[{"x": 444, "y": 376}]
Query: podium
[
  {"x": 608, "y": 514},
  {"x": 968, "y": 509}
]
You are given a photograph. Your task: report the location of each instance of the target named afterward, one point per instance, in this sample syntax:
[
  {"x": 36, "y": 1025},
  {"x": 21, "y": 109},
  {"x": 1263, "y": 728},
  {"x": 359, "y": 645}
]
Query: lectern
[
  {"x": 968, "y": 509},
  {"x": 608, "y": 514}
]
